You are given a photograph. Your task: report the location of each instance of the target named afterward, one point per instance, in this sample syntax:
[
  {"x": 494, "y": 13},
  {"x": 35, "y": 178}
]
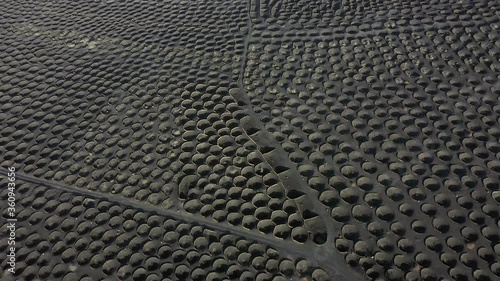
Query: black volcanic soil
[{"x": 251, "y": 140}]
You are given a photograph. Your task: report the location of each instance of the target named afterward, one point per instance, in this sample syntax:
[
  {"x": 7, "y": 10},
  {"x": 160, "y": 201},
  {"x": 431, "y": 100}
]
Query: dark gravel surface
[{"x": 251, "y": 140}]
